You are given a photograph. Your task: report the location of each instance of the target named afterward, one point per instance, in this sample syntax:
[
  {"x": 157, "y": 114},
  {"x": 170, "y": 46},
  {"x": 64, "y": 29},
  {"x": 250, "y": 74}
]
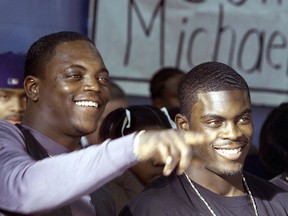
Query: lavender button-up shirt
[{"x": 29, "y": 186}]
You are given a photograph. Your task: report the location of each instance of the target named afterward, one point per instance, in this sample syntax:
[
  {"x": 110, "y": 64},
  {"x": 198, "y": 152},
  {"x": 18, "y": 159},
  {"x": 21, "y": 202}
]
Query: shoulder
[
  {"x": 12, "y": 146},
  {"x": 4, "y": 125},
  {"x": 125, "y": 186},
  {"x": 154, "y": 200},
  {"x": 280, "y": 182},
  {"x": 265, "y": 190},
  {"x": 103, "y": 202},
  {"x": 7, "y": 127},
  {"x": 258, "y": 183},
  {"x": 10, "y": 135}
]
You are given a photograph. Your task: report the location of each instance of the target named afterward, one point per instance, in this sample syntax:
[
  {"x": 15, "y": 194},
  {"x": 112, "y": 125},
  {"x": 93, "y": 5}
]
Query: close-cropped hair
[
  {"x": 208, "y": 77},
  {"x": 142, "y": 117},
  {"x": 42, "y": 50},
  {"x": 157, "y": 82},
  {"x": 273, "y": 145}
]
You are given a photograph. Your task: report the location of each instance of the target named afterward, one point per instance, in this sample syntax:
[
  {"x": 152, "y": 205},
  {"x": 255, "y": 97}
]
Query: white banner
[{"x": 138, "y": 37}]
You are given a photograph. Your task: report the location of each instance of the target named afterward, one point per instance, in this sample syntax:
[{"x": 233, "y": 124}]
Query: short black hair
[
  {"x": 142, "y": 117},
  {"x": 273, "y": 145},
  {"x": 42, "y": 50},
  {"x": 208, "y": 77},
  {"x": 157, "y": 82}
]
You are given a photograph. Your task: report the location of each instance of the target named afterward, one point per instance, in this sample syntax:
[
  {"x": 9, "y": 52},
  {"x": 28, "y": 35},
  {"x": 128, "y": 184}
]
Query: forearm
[{"x": 35, "y": 186}]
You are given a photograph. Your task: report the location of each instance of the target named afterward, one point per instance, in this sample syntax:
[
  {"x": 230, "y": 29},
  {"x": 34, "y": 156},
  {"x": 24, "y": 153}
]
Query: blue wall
[{"x": 24, "y": 21}]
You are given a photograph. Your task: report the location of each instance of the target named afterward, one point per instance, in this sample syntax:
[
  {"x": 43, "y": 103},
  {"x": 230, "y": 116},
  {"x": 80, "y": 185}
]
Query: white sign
[{"x": 138, "y": 37}]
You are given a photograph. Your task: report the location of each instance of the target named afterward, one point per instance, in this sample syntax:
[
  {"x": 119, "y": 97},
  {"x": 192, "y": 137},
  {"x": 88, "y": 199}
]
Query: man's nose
[
  {"x": 231, "y": 131},
  {"x": 92, "y": 84}
]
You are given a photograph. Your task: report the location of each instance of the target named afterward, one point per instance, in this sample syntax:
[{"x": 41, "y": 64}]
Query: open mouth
[{"x": 87, "y": 104}]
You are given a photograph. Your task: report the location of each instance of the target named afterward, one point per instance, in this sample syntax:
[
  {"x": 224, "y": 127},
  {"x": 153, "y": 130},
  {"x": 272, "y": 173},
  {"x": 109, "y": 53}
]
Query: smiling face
[
  {"x": 72, "y": 95},
  {"x": 225, "y": 118}
]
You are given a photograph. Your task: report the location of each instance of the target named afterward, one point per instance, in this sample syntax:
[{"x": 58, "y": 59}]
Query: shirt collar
[{"x": 51, "y": 146}]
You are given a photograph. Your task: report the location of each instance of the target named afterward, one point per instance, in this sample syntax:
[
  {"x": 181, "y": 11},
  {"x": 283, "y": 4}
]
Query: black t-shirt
[{"x": 174, "y": 196}]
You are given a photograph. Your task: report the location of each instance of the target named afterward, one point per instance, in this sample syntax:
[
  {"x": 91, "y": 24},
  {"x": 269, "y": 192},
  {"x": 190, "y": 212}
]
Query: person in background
[
  {"x": 12, "y": 93},
  {"x": 273, "y": 145},
  {"x": 118, "y": 99},
  {"x": 121, "y": 122},
  {"x": 215, "y": 102},
  {"x": 164, "y": 89},
  {"x": 42, "y": 169}
]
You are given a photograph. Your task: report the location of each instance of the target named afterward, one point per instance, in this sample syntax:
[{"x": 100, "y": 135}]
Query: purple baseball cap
[{"x": 11, "y": 70}]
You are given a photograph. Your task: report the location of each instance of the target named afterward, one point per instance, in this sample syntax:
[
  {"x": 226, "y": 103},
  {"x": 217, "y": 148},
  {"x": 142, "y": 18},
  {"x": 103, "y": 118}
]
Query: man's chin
[{"x": 83, "y": 131}]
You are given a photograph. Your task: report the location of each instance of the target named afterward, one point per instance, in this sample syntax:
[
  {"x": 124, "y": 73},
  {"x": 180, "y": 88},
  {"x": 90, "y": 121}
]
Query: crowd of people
[{"x": 71, "y": 144}]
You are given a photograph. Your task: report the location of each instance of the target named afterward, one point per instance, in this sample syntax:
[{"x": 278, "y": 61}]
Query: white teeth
[
  {"x": 87, "y": 103},
  {"x": 229, "y": 151}
]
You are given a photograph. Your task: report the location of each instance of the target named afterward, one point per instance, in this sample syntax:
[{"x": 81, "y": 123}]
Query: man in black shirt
[{"x": 214, "y": 101}]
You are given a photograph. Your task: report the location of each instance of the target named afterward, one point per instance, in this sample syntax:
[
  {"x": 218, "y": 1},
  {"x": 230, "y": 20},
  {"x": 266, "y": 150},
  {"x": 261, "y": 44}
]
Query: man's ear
[
  {"x": 181, "y": 122},
  {"x": 31, "y": 85}
]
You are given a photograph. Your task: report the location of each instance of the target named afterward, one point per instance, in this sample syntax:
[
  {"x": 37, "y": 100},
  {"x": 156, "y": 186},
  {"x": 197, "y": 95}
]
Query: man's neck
[
  {"x": 226, "y": 185},
  {"x": 69, "y": 142}
]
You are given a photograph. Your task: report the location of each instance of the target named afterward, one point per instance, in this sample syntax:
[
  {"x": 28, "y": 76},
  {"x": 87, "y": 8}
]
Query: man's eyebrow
[
  {"x": 103, "y": 69},
  {"x": 210, "y": 116},
  {"x": 246, "y": 111},
  {"x": 77, "y": 66}
]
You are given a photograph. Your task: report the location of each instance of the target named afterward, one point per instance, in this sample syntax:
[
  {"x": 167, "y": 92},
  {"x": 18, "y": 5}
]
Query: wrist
[{"x": 137, "y": 145}]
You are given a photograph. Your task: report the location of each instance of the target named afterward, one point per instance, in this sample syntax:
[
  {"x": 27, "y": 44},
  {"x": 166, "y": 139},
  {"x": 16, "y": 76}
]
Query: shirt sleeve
[{"x": 29, "y": 186}]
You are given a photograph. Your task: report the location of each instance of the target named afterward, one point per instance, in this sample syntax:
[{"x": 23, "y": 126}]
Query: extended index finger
[{"x": 193, "y": 138}]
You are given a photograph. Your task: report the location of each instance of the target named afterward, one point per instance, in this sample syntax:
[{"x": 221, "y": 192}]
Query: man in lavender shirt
[{"x": 66, "y": 83}]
